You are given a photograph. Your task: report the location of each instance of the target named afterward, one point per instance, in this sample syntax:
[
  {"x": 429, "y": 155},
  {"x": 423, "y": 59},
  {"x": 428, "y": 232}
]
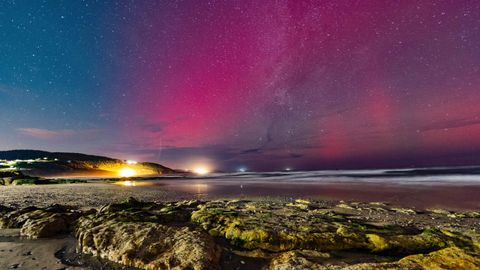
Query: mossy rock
[
  {"x": 63, "y": 181},
  {"x": 135, "y": 211},
  {"x": 27, "y": 181},
  {"x": 267, "y": 230},
  {"x": 38, "y": 223},
  {"x": 448, "y": 258},
  {"x": 5, "y": 181},
  {"x": 428, "y": 240},
  {"x": 38, "y": 181},
  {"x": 277, "y": 229},
  {"x": 146, "y": 245},
  {"x": 129, "y": 204}
]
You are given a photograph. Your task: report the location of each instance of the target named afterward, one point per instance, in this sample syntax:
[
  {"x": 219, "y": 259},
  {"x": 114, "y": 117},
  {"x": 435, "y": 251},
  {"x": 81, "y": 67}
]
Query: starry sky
[{"x": 262, "y": 85}]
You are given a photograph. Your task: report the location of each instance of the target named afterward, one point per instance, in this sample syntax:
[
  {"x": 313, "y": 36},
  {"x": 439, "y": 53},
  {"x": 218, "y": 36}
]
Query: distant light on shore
[
  {"x": 242, "y": 169},
  {"x": 127, "y": 172},
  {"x": 201, "y": 170},
  {"x": 131, "y": 162}
]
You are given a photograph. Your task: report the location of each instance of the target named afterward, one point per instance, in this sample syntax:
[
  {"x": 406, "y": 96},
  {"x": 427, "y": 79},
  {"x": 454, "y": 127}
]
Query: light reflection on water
[{"x": 126, "y": 183}]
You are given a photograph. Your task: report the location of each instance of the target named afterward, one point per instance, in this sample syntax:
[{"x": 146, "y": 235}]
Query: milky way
[{"x": 259, "y": 84}]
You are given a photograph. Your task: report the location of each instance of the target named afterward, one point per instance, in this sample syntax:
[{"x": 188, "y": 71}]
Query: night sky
[{"x": 263, "y": 85}]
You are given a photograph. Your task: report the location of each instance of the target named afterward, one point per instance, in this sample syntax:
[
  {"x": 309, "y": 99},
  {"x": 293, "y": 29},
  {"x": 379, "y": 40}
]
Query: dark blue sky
[{"x": 55, "y": 73}]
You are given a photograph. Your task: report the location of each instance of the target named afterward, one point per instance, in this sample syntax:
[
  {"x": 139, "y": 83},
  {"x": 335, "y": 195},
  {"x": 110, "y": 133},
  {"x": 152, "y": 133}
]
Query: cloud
[
  {"x": 47, "y": 134},
  {"x": 153, "y": 127},
  {"x": 253, "y": 150},
  {"x": 457, "y": 123}
]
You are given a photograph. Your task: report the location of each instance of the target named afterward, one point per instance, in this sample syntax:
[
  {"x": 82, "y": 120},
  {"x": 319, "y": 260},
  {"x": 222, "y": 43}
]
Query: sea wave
[{"x": 438, "y": 175}]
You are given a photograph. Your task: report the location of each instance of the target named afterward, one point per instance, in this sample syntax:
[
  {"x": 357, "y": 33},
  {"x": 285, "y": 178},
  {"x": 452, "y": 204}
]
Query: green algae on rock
[{"x": 277, "y": 228}]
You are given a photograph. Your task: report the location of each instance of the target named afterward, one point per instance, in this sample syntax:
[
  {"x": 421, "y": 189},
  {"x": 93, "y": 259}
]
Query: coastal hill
[{"x": 43, "y": 163}]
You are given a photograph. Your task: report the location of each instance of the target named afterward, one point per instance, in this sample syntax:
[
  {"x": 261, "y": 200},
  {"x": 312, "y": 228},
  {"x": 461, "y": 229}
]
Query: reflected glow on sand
[
  {"x": 129, "y": 183},
  {"x": 201, "y": 188}
]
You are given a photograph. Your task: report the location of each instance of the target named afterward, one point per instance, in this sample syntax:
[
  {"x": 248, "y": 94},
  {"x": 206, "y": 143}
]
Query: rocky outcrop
[
  {"x": 146, "y": 236},
  {"x": 448, "y": 258},
  {"x": 277, "y": 228},
  {"x": 261, "y": 235},
  {"x": 292, "y": 260},
  {"x": 40, "y": 223},
  {"x": 12, "y": 177}
]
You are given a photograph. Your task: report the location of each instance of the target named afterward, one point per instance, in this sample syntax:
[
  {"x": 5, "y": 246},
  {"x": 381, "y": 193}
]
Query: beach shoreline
[{"x": 97, "y": 193}]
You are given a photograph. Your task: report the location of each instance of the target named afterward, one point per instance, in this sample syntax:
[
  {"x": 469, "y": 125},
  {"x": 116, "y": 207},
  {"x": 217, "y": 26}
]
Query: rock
[
  {"x": 381, "y": 204},
  {"x": 300, "y": 203},
  {"x": 13, "y": 219},
  {"x": 278, "y": 235},
  {"x": 448, "y": 258},
  {"x": 293, "y": 261},
  {"x": 8, "y": 177},
  {"x": 286, "y": 228},
  {"x": 5, "y": 209},
  {"x": 426, "y": 241},
  {"x": 406, "y": 211},
  {"x": 467, "y": 214},
  {"x": 257, "y": 253},
  {"x": 146, "y": 245},
  {"x": 129, "y": 204},
  {"x": 346, "y": 206},
  {"x": 439, "y": 211},
  {"x": 46, "y": 225},
  {"x": 273, "y": 229},
  {"x": 39, "y": 223},
  {"x": 14, "y": 266}
]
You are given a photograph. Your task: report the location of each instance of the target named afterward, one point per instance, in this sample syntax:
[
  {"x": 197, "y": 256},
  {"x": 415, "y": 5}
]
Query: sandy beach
[{"x": 82, "y": 195}]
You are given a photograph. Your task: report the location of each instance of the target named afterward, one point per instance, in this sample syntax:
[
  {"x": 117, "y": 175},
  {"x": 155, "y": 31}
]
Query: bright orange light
[
  {"x": 201, "y": 170},
  {"x": 127, "y": 172}
]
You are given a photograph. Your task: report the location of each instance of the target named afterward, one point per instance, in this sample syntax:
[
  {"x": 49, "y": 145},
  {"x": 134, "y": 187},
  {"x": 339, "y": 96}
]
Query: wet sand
[
  {"x": 95, "y": 194},
  {"x": 420, "y": 196},
  {"x": 18, "y": 253},
  {"x": 58, "y": 253}
]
